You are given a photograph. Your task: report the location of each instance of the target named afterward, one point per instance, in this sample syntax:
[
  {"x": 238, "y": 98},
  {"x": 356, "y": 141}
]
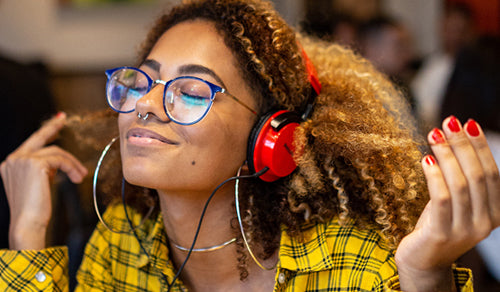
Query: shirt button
[
  {"x": 281, "y": 278},
  {"x": 40, "y": 277},
  {"x": 143, "y": 260}
]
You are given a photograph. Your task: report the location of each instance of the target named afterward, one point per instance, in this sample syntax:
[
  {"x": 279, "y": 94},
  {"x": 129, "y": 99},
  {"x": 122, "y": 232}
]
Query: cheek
[
  {"x": 223, "y": 149},
  {"x": 223, "y": 144}
]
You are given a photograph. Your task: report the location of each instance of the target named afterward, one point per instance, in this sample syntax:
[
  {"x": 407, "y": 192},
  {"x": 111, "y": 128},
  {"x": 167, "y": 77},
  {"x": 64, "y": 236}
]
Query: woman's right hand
[{"x": 26, "y": 175}]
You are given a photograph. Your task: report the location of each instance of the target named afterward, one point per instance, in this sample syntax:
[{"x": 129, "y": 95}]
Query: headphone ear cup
[
  {"x": 252, "y": 139},
  {"x": 271, "y": 145}
]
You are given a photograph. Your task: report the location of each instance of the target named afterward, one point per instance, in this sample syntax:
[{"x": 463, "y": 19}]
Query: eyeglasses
[{"x": 186, "y": 99}]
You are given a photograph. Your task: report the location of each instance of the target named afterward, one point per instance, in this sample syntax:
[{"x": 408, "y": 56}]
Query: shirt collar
[
  {"x": 309, "y": 252},
  {"x": 155, "y": 243}
]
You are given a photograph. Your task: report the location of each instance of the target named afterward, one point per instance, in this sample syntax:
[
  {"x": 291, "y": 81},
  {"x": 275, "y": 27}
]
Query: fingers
[
  {"x": 490, "y": 168},
  {"x": 57, "y": 158},
  {"x": 465, "y": 179},
  {"x": 43, "y": 163},
  {"x": 440, "y": 203},
  {"x": 43, "y": 135},
  {"x": 34, "y": 153},
  {"x": 471, "y": 166}
]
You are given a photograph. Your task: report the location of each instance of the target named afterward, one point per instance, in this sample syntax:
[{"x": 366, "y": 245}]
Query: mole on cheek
[{"x": 193, "y": 162}]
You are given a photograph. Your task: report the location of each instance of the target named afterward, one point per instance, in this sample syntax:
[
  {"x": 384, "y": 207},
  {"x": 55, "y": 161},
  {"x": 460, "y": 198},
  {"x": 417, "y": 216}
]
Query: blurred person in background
[
  {"x": 344, "y": 30},
  {"x": 389, "y": 46},
  {"x": 430, "y": 83},
  {"x": 339, "y": 28}
]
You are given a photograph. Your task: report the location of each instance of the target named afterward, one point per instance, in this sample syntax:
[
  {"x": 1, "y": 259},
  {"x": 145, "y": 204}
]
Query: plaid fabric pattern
[
  {"x": 335, "y": 258},
  {"x": 116, "y": 262},
  {"x": 328, "y": 257},
  {"x": 31, "y": 270},
  {"x": 332, "y": 258}
]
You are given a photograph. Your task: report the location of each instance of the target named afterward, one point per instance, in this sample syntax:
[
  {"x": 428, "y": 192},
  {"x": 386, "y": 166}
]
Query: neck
[
  {"x": 181, "y": 215},
  {"x": 215, "y": 270}
]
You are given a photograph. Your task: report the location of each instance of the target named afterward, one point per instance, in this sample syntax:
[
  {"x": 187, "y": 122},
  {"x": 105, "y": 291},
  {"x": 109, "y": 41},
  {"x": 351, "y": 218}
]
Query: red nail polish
[
  {"x": 454, "y": 125},
  {"x": 60, "y": 115},
  {"x": 472, "y": 128},
  {"x": 437, "y": 136},
  {"x": 429, "y": 159}
]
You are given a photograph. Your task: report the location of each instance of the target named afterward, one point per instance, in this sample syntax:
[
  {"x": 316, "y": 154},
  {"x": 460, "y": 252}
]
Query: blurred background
[{"x": 443, "y": 54}]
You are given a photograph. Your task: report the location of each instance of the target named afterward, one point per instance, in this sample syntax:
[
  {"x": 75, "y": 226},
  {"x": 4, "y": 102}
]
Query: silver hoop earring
[
  {"x": 94, "y": 193},
  {"x": 140, "y": 116},
  {"x": 237, "y": 204}
]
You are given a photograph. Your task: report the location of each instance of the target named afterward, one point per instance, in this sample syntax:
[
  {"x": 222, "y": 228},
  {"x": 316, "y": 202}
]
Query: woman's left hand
[{"x": 464, "y": 207}]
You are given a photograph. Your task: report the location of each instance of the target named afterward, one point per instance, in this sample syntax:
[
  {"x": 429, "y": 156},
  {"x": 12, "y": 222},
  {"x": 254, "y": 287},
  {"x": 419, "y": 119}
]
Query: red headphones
[{"x": 271, "y": 140}]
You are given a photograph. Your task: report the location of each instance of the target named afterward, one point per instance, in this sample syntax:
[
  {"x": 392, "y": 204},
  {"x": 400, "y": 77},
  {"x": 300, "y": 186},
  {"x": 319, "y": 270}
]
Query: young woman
[{"x": 191, "y": 117}]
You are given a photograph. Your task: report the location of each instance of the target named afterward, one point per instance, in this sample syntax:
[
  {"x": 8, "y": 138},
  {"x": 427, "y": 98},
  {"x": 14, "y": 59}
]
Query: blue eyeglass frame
[{"x": 214, "y": 89}]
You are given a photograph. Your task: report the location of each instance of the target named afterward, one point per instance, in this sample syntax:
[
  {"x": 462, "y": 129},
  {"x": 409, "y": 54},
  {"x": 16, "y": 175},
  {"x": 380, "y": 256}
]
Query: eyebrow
[
  {"x": 185, "y": 69},
  {"x": 155, "y": 65},
  {"x": 193, "y": 68}
]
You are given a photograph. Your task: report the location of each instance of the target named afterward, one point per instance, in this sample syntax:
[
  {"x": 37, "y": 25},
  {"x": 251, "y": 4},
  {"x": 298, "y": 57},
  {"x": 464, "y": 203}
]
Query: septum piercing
[{"x": 140, "y": 116}]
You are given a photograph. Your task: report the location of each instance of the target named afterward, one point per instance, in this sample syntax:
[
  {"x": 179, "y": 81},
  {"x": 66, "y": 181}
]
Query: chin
[{"x": 139, "y": 174}]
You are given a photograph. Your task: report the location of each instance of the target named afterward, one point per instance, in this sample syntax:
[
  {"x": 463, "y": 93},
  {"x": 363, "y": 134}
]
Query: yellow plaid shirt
[{"x": 329, "y": 258}]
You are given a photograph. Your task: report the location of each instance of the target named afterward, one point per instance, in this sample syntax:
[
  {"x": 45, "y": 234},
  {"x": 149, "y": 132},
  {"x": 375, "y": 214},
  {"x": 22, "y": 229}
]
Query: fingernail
[
  {"x": 453, "y": 124},
  {"x": 429, "y": 160},
  {"x": 437, "y": 136},
  {"x": 472, "y": 128},
  {"x": 60, "y": 114}
]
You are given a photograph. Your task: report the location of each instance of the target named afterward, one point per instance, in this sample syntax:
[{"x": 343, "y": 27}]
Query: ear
[{"x": 244, "y": 168}]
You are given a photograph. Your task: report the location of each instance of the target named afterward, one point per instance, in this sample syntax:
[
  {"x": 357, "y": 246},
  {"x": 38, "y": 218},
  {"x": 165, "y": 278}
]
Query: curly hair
[{"x": 358, "y": 155}]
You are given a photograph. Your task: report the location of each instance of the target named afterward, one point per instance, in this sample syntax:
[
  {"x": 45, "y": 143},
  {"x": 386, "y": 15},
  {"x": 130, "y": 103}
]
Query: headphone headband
[{"x": 312, "y": 74}]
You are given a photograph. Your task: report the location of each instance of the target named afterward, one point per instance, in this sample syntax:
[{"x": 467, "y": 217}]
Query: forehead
[{"x": 193, "y": 42}]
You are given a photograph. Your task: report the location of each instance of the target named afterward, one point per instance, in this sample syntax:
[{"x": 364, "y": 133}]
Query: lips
[{"x": 144, "y": 136}]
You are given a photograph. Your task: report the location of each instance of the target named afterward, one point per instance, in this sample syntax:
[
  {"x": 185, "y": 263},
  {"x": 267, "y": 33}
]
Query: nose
[{"x": 152, "y": 102}]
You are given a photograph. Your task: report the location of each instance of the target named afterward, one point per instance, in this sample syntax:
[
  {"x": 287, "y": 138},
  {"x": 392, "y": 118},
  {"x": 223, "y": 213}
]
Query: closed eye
[{"x": 194, "y": 100}]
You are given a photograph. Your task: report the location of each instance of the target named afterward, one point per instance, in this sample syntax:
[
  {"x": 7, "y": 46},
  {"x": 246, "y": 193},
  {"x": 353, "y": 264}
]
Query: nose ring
[{"x": 140, "y": 116}]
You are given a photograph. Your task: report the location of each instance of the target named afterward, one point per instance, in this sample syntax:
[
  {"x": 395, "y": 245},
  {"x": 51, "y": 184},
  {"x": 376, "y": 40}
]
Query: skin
[{"x": 464, "y": 184}]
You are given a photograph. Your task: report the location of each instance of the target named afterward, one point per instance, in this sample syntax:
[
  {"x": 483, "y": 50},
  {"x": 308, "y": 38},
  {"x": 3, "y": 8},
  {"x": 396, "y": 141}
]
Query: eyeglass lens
[{"x": 186, "y": 99}]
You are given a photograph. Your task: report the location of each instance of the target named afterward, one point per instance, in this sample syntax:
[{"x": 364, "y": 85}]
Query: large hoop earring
[
  {"x": 237, "y": 204},
  {"x": 94, "y": 193}
]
